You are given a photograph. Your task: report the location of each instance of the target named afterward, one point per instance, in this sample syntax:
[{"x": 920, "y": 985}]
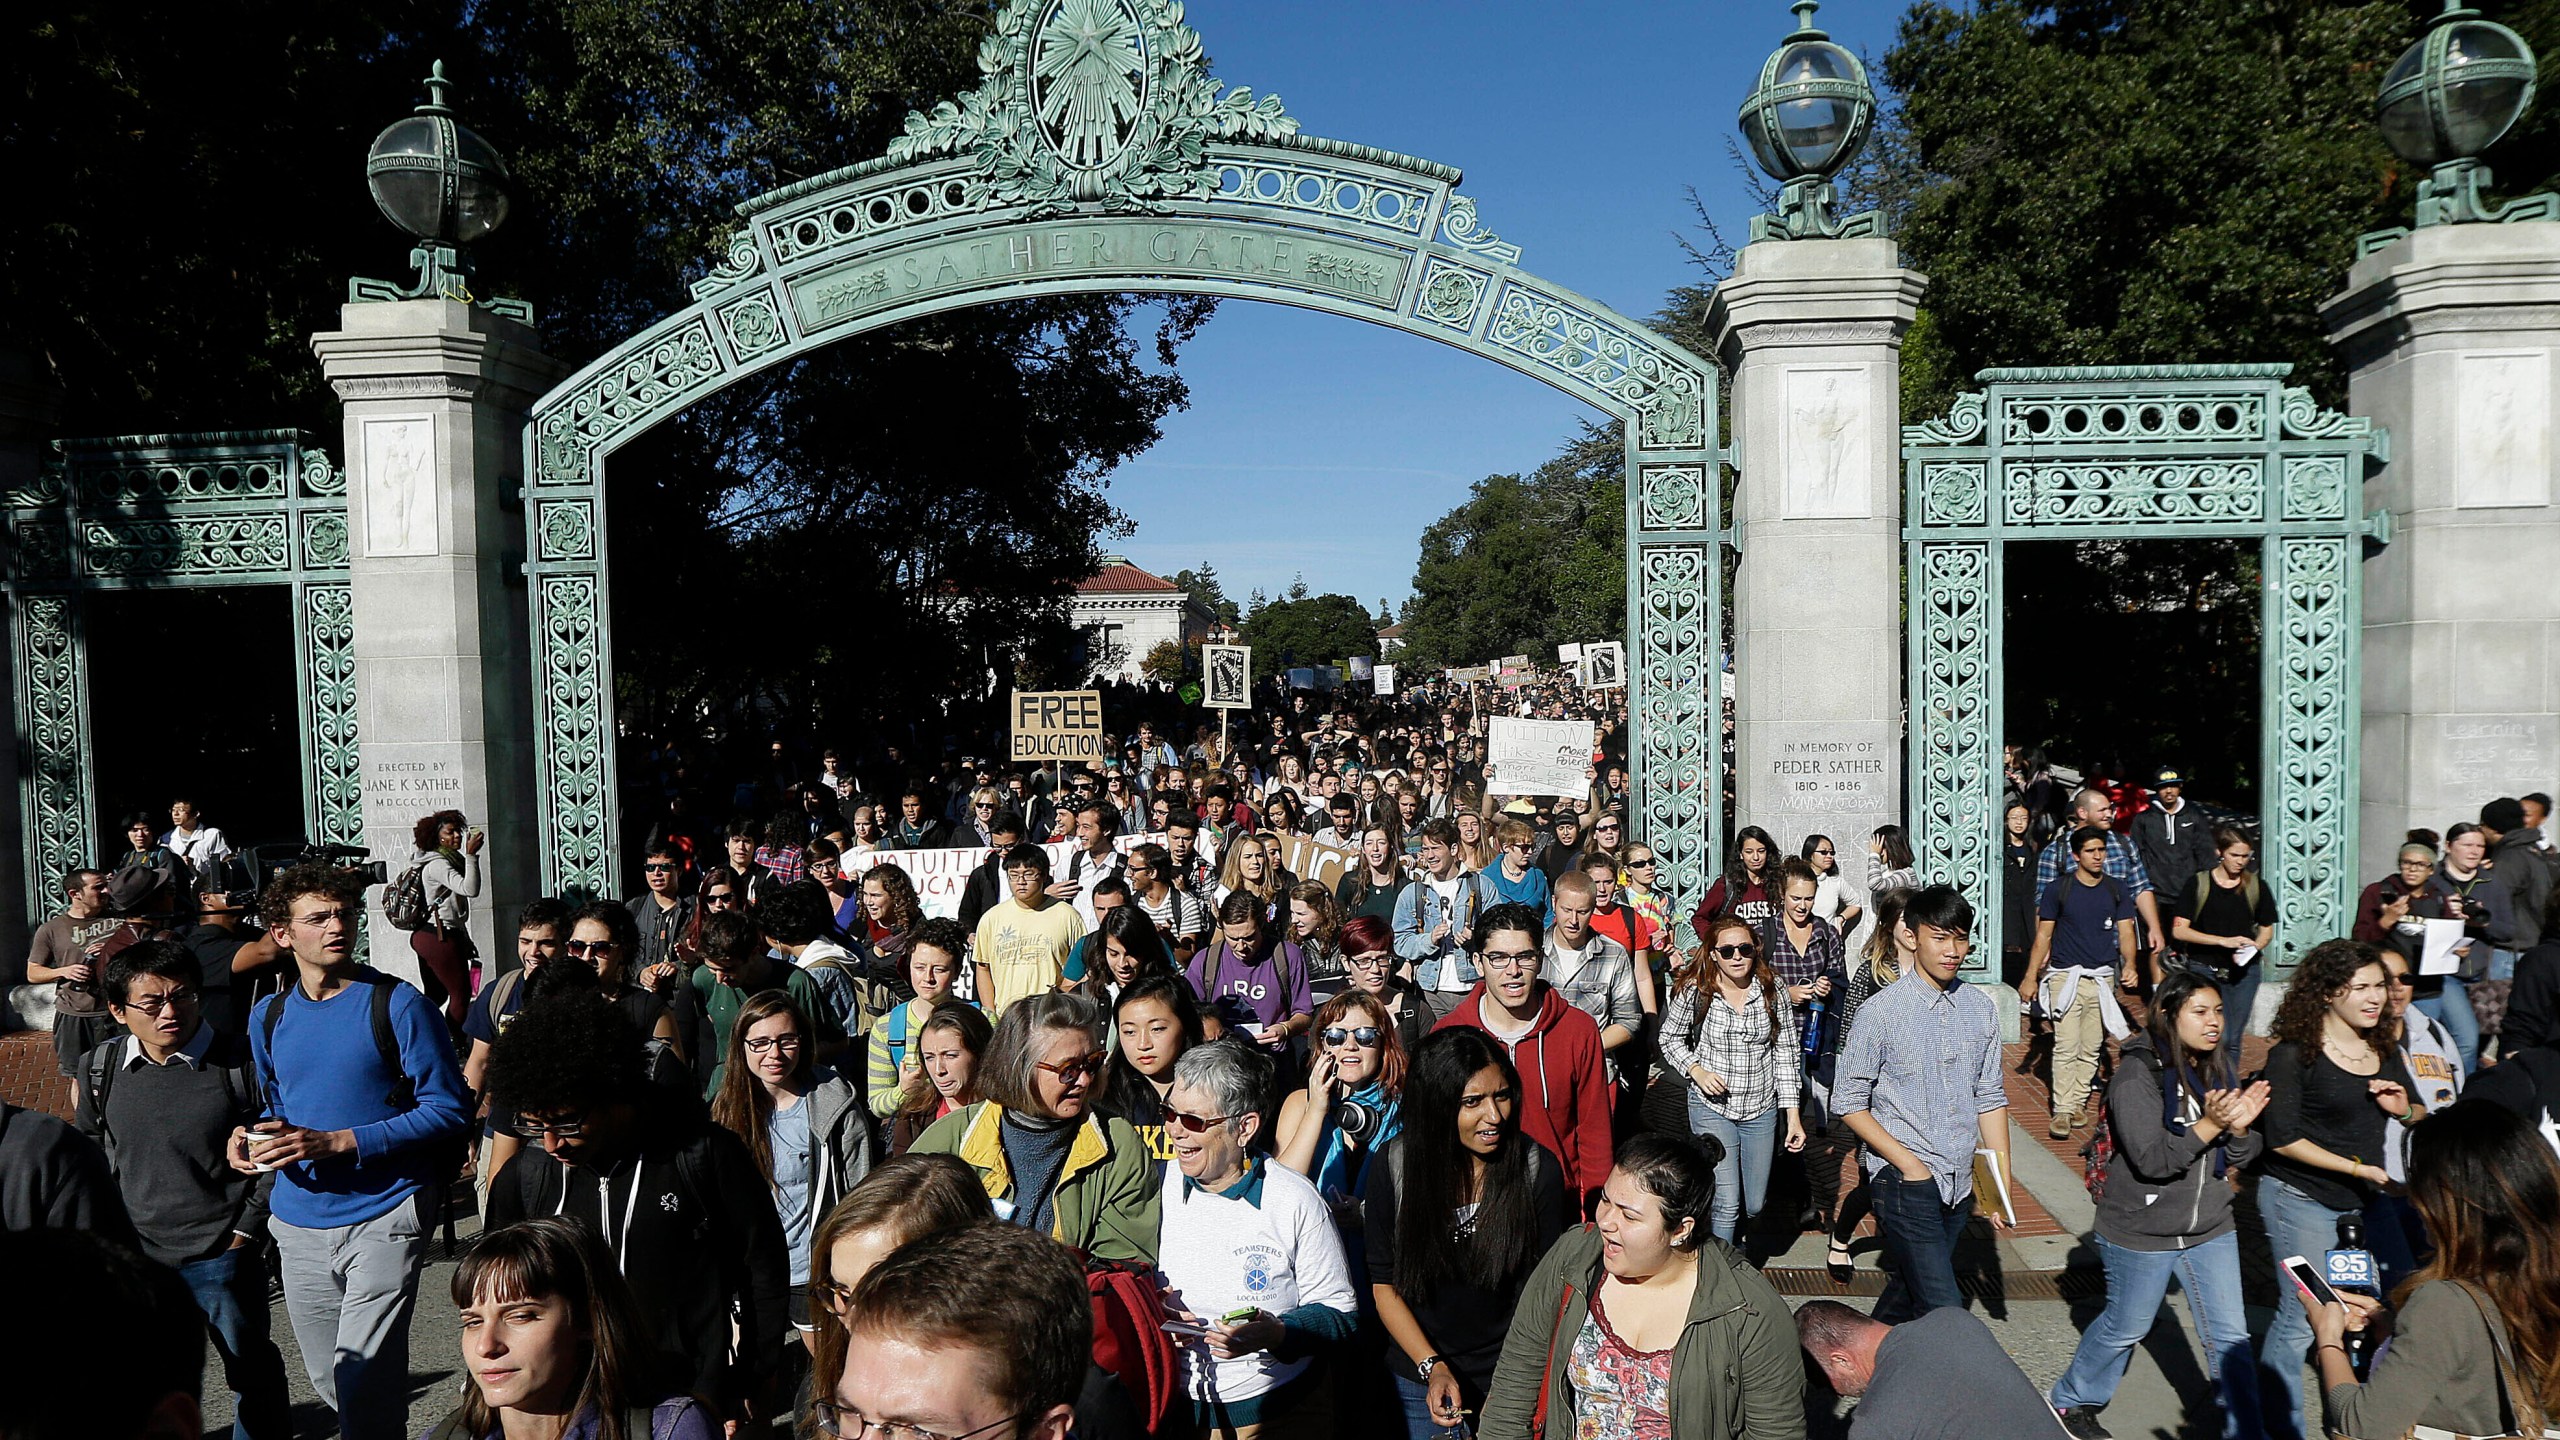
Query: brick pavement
[{"x": 28, "y": 1076}]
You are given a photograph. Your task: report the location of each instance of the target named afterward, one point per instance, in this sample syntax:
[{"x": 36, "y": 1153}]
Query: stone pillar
[
  {"x": 1812, "y": 331},
  {"x": 30, "y": 410},
  {"x": 435, "y": 394},
  {"x": 2449, "y": 335}
]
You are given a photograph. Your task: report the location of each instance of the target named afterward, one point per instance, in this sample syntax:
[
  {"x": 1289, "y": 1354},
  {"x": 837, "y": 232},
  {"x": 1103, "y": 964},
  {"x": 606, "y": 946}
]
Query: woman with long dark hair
[
  {"x": 1890, "y": 864},
  {"x": 1124, "y": 946},
  {"x": 1315, "y": 922},
  {"x": 448, "y": 862},
  {"x": 1153, "y": 1022},
  {"x": 807, "y": 1127},
  {"x": 1370, "y": 887},
  {"x": 2017, "y": 889},
  {"x": 1746, "y": 888},
  {"x": 2475, "y": 1344},
  {"x": 552, "y": 1344},
  {"x": 2182, "y": 1126},
  {"x": 1635, "y": 1326},
  {"x": 2334, "y": 1077},
  {"x": 1456, "y": 1211},
  {"x": 1834, "y": 898}
]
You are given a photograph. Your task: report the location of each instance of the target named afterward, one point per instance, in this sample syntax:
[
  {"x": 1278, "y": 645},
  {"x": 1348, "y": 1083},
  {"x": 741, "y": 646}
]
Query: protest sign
[
  {"x": 1324, "y": 864},
  {"x": 1362, "y": 666},
  {"x": 1604, "y": 666},
  {"x": 1537, "y": 757},
  {"x": 1057, "y": 725},
  {"x": 941, "y": 877},
  {"x": 1568, "y": 654},
  {"x": 1383, "y": 680},
  {"x": 1470, "y": 675},
  {"x": 1230, "y": 677}
]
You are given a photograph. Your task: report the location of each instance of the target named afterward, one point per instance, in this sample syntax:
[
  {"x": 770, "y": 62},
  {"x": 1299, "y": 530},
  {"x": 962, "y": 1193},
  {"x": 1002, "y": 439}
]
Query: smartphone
[
  {"x": 1238, "y": 1317},
  {"x": 1185, "y": 1327},
  {"x": 2308, "y": 1276}
]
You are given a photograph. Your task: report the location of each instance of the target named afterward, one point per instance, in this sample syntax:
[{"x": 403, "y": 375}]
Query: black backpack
[{"x": 446, "y": 1155}]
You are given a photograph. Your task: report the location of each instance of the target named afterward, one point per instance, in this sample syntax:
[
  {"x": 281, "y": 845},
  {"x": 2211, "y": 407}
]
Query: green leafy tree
[
  {"x": 1205, "y": 591},
  {"x": 1167, "y": 660},
  {"x": 887, "y": 527},
  {"x": 1527, "y": 563},
  {"x": 1308, "y": 630}
]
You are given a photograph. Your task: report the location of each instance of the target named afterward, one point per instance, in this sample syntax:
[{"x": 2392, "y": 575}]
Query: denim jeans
[
  {"x": 1742, "y": 1176},
  {"x": 231, "y": 1290},
  {"x": 2137, "y": 1281},
  {"x": 2451, "y": 1008},
  {"x": 1920, "y": 1232},
  {"x": 2238, "y": 998}
]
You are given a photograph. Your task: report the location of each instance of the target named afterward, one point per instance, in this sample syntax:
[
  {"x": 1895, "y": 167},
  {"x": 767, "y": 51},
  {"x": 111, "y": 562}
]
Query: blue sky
[{"x": 1322, "y": 446}]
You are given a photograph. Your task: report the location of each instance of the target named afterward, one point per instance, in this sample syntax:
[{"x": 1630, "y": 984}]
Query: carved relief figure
[
  {"x": 399, "y": 499},
  {"x": 1826, "y": 437}
]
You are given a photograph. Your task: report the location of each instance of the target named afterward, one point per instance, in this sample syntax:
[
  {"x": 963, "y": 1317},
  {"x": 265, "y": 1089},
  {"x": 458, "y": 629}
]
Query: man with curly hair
[
  {"x": 359, "y": 1073},
  {"x": 677, "y": 1200}
]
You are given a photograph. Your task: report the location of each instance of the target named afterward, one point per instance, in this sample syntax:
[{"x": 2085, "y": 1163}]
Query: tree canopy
[
  {"x": 1526, "y": 563},
  {"x": 1306, "y": 629},
  {"x": 886, "y": 528}
]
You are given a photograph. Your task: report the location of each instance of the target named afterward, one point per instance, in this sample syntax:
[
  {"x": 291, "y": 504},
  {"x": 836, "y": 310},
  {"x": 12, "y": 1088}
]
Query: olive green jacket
[
  {"x": 1735, "y": 1373},
  {"x": 1108, "y": 1197}
]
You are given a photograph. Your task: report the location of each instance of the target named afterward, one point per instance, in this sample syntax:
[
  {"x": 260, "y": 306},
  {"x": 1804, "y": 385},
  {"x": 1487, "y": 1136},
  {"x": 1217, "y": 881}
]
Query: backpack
[
  {"x": 1129, "y": 1338},
  {"x": 404, "y": 900},
  {"x": 444, "y": 1156}
]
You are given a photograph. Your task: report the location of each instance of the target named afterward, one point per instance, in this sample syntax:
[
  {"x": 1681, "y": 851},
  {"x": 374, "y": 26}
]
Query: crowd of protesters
[{"x": 1166, "y": 1140}]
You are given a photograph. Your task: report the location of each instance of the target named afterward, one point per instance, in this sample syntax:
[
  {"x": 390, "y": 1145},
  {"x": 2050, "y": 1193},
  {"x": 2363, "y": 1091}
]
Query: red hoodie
[{"x": 1564, "y": 1101}]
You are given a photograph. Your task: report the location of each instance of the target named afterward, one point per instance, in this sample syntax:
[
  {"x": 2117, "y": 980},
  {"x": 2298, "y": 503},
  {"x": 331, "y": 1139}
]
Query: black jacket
[
  {"x": 985, "y": 891},
  {"x": 2519, "y": 866},
  {"x": 693, "y": 1226},
  {"x": 2174, "y": 849},
  {"x": 2533, "y": 1006}
]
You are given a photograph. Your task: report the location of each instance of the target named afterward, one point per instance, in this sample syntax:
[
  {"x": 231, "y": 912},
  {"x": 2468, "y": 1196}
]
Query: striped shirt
[{"x": 1758, "y": 1071}]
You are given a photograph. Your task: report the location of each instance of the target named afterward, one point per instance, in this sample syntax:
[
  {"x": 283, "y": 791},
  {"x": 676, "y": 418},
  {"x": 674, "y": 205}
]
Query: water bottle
[
  {"x": 2352, "y": 1267},
  {"x": 1813, "y": 1033}
]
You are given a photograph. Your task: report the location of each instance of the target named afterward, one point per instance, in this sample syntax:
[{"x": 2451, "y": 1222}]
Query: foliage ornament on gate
[
  {"x": 1100, "y": 156},
  {"x": 2142, "y": 453},
  {"x": 165, "y": 512}
]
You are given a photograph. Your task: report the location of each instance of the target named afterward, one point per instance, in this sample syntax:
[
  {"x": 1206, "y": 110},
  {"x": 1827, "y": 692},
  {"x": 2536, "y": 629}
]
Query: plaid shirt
[
  {"x": 784, "y": 864},
  {"x": 2122, "y": 863},
  {"x": 1759, "y": 1071},
  {"x": 1822, "y": 955}
]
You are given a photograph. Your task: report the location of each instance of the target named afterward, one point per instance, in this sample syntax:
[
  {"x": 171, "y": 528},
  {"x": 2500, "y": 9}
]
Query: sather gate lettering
[{"x": 1100, "y": 156}]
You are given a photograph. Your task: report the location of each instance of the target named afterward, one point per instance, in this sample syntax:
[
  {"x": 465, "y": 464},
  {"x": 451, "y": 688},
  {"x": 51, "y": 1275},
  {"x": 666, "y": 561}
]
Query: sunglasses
[
  {"x": 1193, "y": 1123},
  {"x": 588, "y": 949},
  {"x": 1645, "y": 864},
  {"x": 1365, "y": 1035},
  {"x": 657, "y": 867},
  {"x": 1735, "y": 952},
  {"x": 717, "y": 897},
  {"x": 1088, "y": 1067}
]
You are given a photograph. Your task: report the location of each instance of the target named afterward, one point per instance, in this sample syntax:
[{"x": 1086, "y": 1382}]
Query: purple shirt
[{"x": 1263, "y": 993}]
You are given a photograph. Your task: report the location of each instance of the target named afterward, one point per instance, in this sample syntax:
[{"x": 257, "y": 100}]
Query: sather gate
[
  {"x": 2143, "y": 453},
  {"x": 1099, "y": 156}
]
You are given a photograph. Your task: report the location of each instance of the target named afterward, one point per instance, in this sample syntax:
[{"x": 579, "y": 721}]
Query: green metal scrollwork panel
[
  {"x": 1099, "y": 156},
  {"x": 333, "y": 795},
  {"x": 53, "y": 725},
  {"x": 1955, "y": 724},
  {"x": 2129, "y": 453},
  {"x": 2310, "y": 742},
  {"x": 216, "y": 508}
]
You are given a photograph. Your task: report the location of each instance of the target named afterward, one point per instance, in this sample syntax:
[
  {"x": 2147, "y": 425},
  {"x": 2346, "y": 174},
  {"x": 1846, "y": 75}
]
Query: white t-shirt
[{"x": 1220, "y": 1255}]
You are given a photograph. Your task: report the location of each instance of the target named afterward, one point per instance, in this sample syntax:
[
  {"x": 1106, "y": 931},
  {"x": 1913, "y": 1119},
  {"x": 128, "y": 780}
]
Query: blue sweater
[
  {"x": 328, "y": 1075},
  {"x": 1531, "y": 890}
]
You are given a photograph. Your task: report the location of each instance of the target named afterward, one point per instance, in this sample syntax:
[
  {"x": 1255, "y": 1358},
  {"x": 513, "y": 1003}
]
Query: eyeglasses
[
  {"x": 1194, "y": 1123},
  {"x": 835, "y": 1295},
  {"x": 763, "y": 1043},
  {"x": 657, "y": 867},
  {"x": 154, "y": 1004},
  {"x": 1736, "y": 952},
  {"x": 1365, "y": 1035},
  {"x": 1068, "y": 1073},
  {"x": 556, "y": 1129},
  {"x": 1510, "y": 959},
  {"x": 1375, "y": 959},
  {"x": 847, "y": 1423},
  {"x": 588, "y": 949}
]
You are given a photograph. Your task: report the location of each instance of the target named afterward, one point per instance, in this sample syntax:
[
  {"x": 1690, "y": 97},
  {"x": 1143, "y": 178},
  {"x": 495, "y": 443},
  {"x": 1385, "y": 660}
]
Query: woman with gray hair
[
  {"x": 1048, "y": 1157},
  {"x": 1253, "y": 1267}
]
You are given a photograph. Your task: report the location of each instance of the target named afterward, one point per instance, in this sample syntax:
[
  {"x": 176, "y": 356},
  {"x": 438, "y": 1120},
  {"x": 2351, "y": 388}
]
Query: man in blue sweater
[{"x": 364, "y": 1104}]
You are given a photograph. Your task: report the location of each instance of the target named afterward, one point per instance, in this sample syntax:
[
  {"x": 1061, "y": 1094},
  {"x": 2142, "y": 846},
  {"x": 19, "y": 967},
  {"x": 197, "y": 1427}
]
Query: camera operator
[{"x": 236, "y": 957}]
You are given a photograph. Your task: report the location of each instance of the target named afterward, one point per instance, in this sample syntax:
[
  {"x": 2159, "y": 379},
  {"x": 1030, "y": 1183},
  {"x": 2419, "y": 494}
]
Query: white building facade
[{"x": 1123, "y": 612}]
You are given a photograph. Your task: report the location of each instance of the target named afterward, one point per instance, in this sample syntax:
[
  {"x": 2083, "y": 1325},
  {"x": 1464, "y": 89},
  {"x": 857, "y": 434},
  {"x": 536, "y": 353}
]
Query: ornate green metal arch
[
  {"x": 154, "y": 512},
  {"x": 2142, "y": 453},
  {"x": 1099, "y": 156}
]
